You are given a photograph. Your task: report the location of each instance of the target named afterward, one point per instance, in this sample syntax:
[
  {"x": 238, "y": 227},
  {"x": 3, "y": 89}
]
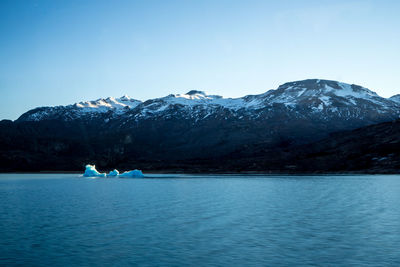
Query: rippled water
[{"x": 61, "y": 219}]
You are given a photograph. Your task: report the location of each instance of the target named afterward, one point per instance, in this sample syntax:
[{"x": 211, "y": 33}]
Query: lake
[{"x": 200, "y": 220}]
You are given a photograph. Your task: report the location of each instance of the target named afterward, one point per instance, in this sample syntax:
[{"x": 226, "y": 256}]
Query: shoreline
[{"x": 255, "y": 173}]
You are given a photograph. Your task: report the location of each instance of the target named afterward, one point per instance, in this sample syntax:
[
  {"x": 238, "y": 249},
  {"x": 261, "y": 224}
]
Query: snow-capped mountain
[
  {"x": 395, "y": 98},
  {"x": 82, "y": 109},
  {"x": 296, "y": 112},
  {"x": 104, "y": 105},
  {"x": 321, "y": 98},
  {"x": 324, "y": 94},
  {"x": 191, "y": 127}
]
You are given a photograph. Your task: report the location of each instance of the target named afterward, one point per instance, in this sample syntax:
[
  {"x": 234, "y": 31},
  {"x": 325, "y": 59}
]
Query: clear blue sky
[{"x": 59, "y": 52}]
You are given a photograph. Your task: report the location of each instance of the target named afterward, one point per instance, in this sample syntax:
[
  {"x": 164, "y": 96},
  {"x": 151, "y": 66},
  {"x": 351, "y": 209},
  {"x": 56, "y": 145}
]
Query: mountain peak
[
  {"x": 196, "y": 92},
  {"x": 125, "y": 98},
  {"x": 317, "y": 87},
  {"x": 196, "y": 95},
  {"x": 395, "y": 98},
  {"x": 314, "y": 84}
]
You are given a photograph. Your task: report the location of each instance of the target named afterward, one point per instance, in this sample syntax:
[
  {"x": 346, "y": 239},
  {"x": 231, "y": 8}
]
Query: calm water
[{"x": 60, "y": 219}]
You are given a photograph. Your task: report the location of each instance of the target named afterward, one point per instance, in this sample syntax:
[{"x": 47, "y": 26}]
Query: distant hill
[{"x": 370, "y": 149}]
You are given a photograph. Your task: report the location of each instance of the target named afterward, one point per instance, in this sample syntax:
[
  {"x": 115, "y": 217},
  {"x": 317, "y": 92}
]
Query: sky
[{"x": 62, "y": 52}]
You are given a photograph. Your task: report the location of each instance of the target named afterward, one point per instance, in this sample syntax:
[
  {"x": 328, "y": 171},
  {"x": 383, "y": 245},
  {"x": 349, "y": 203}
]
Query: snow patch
[
  {"x": 110, "y": 103},
  {"x": 395, "y": 98},
  {"x": 326, "y": 100}
]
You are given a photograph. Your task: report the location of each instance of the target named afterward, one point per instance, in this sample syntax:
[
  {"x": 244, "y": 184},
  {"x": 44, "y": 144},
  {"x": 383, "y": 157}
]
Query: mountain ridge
[
  {"x": 184, "y": 130},
  {"x": 315, "y": 93}
]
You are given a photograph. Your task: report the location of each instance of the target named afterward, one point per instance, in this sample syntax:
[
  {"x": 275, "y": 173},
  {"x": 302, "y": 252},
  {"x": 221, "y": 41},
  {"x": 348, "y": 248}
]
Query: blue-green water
[{"x": 175, "y": 220}]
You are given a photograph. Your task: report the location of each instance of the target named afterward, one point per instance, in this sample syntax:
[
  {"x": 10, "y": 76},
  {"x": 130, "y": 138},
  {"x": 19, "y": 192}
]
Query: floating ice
[
  {"x": 132, "y": 174},
  {"x": 113, "y": 173},
  {"x": 92, "y": 172}
]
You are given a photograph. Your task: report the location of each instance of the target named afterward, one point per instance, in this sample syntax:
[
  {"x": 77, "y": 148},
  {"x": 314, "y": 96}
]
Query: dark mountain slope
[{"x": 370, "y": 149}]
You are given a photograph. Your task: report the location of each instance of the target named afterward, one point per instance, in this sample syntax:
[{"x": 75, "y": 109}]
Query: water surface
[{"x": 214, "y": 220}]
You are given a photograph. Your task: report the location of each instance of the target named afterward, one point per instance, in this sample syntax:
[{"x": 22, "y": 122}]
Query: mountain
[
  {"x": 322, "y": 98},
  {"x": 370, "y": 149},
  {"x": 395, "y": 98},
  {"x": 180, "y": 131},
  {"x": 82, "y": 110}
]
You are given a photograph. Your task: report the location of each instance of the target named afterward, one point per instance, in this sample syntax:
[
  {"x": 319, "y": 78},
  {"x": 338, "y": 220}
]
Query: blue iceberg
[
  {"x": 132, "y": 174},
  {"x": 113, "y": 173},
  {"x": 92, "y": 172}
]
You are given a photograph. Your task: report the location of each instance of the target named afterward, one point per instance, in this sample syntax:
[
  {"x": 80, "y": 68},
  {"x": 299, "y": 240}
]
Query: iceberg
[
  {"x": 113, "y": 173},
  {"x": 132, "y": 174},
  {"x": 91, "y": 171}
]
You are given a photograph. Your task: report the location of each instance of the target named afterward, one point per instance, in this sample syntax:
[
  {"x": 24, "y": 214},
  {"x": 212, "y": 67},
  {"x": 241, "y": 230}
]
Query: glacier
[{"x": 91, "y": 171}]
